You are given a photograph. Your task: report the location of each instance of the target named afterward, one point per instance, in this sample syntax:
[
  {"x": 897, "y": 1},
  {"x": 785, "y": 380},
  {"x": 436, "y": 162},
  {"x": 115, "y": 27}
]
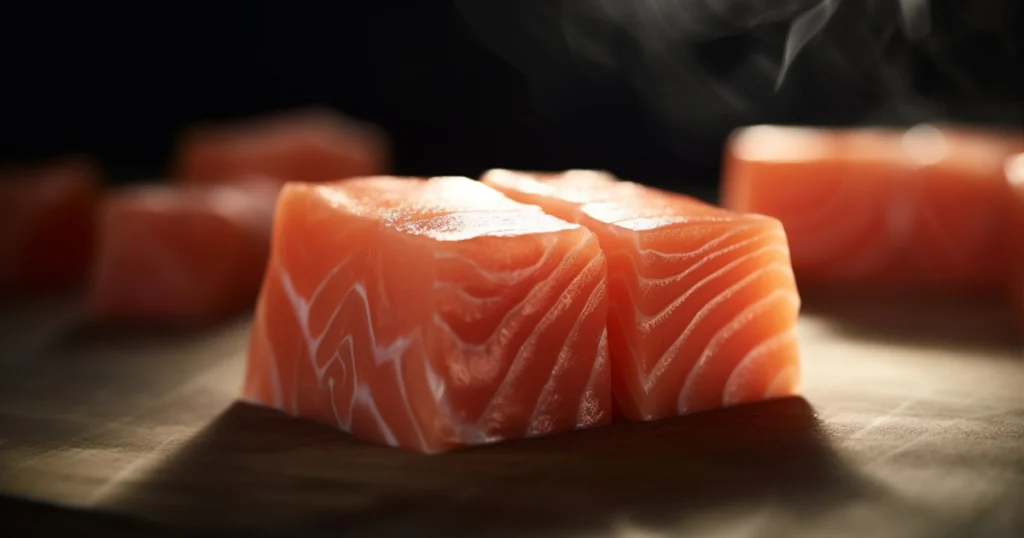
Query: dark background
[{"x": 647, "y": 88}]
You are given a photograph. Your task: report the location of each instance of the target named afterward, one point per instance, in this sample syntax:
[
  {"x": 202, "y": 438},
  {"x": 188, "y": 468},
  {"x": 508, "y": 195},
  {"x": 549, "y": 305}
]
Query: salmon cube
[
  {"x": 187, "y": 256},
  {"x": 919, "y": 209},
  {"x": 47, "y": 217},
  {"x": 702, "y": 301},
  {"x": 306, "y": 145},
  {"x": 430, "y": 315}
]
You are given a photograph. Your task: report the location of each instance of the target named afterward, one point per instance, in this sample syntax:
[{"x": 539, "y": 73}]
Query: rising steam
[
  {"x": 914, "y": 20},
  {"x": 802, "y": 30},
  {"x": 707, "y": 66}
]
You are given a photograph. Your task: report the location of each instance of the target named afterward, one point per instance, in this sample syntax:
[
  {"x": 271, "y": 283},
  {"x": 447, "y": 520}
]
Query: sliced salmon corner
[
  {"x": 430, "y": 315},
  {"x": 182, "y": 256},
  {"x": 312, "y": 144},
  {"x": 915, "y": 209},
  {"x": 1015, "y": 235},
  {"x": 702, "y": 301},
  {"x": 47, "y": 214}
]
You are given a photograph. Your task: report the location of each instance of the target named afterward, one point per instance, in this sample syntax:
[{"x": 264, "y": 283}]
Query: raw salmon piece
[
  {"x": 702, "y": 301},
  {"x": 306, "y": 145},
  {"x": 46, "y": 225},
  {"x": 919, "y": 209},
  {"x": 1015, "y": 177},
  {"x": 430, "y": 315},
  {"x": 178, "y": 255}
]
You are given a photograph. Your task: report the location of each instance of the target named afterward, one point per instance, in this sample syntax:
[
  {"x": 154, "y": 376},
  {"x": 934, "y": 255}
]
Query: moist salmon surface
[
  {"x": 702, "y": 301},
  {"x": 430, "y": 315},
  {"x": 182, "y": 255},
  {"x": 304, "y": 145},
  {"x": 47, "y": 217},
  {"x": 917, "y": 209}
]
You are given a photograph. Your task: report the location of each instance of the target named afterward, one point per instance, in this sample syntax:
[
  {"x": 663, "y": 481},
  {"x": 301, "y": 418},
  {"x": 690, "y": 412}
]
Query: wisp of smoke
[{"x": 703, "y": 67}]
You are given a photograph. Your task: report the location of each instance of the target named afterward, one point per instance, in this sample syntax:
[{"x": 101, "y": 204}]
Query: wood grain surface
[{"x": 911, "y": 424}]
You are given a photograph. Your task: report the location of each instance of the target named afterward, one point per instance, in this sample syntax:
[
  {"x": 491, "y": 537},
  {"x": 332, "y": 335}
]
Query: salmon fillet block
[
  {"x": 702, "y": 301},
  {"x": 182, "y": 255},
  {"x": 919, "y": 209},
  {"x": 305, "y": 145},
  {"x": 430, "y": 315},
  {"x": 1015, "y": 248},
  {"x": 47, "y": 215}
]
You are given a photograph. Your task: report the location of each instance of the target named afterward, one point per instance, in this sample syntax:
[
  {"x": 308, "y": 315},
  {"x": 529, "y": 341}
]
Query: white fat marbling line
[
  {"x": 563, "y": 358},
  {"x": 392, "y": 354},
  {"x": 479, "y": 303},
  {"x": 725, "y": 332},
  {"x": 649, "y": 321},
  {"x": 472, "y": 432},
  {"x": 734, "y": 384},
  {"x": 647, "y": 257},
  {"x": 526, "y": 350},
  {"x": 654, "y": 255},
  {"x": 499, "y": 280},
  {"x": 673, "y": 350},
  {"x": 362, "y": 395},
  {"x": 512, "y": 314},
  {"x": 500, "y": 277},
  {"x": 301, "y": 307},
  {"x": 625, "y": 327},
  {"x": 463, "y": 430},
  {"x": 334, "y": 407},
  {"x": 589, "y": 406},
  {"x": 382, "y": 354}
]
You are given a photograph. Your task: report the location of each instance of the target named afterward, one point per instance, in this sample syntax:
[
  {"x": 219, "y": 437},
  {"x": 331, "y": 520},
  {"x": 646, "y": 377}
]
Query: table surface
[{"x": 911, "y": 424}]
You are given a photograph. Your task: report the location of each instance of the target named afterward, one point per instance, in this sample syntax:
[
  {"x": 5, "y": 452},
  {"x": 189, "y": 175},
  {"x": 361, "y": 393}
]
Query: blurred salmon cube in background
[
  {"x": 312, "y": 145},
  {"x": 46, "y": 224},
  {"x": 182, "y": 254},
  {"x": 186, "y": 251},
  {"x": 917, "y": 209}
]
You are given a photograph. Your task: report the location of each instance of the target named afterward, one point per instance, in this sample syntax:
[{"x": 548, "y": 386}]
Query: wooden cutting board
[{"x": 911, "y": 424}]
